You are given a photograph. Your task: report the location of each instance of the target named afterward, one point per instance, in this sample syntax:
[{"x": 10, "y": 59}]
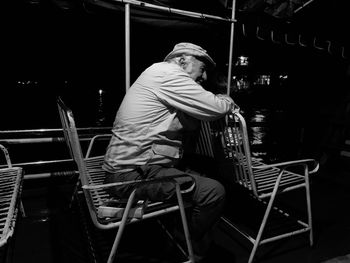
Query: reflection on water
[
  {"x": 101, "y": 115},
  {"x": 257, "y": 133},
  {"x": 271, "y": 135}
]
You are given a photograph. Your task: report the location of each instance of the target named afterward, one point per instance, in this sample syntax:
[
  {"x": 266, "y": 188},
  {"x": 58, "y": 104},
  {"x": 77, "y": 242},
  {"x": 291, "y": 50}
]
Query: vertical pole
[
  {"x": 127, "y": 46},
  {"x": 231, "y": 46}
]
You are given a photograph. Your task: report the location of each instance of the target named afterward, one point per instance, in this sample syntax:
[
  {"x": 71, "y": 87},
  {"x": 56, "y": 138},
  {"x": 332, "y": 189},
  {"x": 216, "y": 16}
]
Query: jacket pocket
[{"x": 167, "y": 150}]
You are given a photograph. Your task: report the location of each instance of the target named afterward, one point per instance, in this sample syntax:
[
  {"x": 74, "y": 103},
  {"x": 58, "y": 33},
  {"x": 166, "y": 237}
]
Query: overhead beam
[
  {"x": 302, "y": 6},
  {"x": 174, "y": 10}
]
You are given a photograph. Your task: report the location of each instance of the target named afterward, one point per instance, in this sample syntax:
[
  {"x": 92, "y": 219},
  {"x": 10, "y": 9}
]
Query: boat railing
[{"x": 42, "y": 152}]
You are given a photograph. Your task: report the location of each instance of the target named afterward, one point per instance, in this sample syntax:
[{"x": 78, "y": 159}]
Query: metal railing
[{"x": 25, "y": 143}]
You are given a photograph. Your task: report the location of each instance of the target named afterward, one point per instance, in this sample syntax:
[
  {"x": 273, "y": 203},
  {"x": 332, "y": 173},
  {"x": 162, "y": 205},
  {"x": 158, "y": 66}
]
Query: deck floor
[{"x": 52, "y": 232}]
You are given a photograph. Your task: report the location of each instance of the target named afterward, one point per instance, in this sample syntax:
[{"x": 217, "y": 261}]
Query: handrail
[
  {"x": 32, "y": 140},
  {"x": 52, "y": 130},
  {"x": 49, "y": 174},
  {"x": 38, "y": 163},
  {"x": 9, "y": 140},
  {"x": 45, "y": 168},
  {"x": 46, "y": 139},
  {"x": 37, "y": 140}
]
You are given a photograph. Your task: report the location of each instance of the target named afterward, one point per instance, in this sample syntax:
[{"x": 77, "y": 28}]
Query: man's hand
[{"x": 228, "y": 98}]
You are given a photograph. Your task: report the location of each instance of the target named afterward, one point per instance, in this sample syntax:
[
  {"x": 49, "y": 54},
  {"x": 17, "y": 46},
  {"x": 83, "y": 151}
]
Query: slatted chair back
[
  {"x": 92, "y": 176},
  {"x": 11, "y": 179},
  {"x": 237, "y": 149},
  {"x": 72, "y": 139},
  {"x": 205, "y": 144}
]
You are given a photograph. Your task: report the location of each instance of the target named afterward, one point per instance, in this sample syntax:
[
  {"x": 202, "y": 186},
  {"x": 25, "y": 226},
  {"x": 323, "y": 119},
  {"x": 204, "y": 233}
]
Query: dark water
[
  {"x": 31, "y": 104},
  {"x": 278, "y": 130},
  {"x": 272, "y": 136}
]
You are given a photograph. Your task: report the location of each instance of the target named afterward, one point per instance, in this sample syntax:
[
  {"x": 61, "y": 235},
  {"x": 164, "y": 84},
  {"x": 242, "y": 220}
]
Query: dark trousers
[{"x": 207, "y": 197}]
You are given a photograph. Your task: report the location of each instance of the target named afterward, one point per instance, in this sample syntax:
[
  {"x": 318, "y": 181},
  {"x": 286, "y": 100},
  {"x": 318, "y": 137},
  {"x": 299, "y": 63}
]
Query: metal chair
[
  {"x": 265, "y": 181},
  {"x": 104, "y": 216},
  {"x": 11, "y": 179}
]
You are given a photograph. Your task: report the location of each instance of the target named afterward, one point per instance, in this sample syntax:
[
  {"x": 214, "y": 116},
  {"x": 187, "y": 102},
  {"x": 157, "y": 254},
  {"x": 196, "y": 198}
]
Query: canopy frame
[{"x": 127, "y": 3}]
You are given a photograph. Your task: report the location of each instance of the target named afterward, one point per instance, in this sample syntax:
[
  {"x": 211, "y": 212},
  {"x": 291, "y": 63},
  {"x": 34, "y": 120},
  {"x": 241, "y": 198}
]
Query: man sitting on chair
[{"x": 163, "y": 104}]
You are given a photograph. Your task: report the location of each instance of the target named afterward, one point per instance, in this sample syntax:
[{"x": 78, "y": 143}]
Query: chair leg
[
  {"x": 75, "y": 191},
  {"x": 121, "y": 227},
  {"x": 184, "y": 224},
  {"x": 125, "y": 218},
  {"x": 21, "y": 208},
  {"x": 308, "y": 201},
  {"x": 266, "y": 215}
]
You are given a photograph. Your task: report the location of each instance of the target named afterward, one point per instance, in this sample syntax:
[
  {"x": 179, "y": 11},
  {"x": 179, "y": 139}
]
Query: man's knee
[
  {"x": 218, "y": 191},
  {"x": 209, "y": 191}
]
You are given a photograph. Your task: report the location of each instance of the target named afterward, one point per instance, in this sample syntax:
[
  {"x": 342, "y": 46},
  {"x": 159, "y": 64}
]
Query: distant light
[
  {"x": 258, "y": 117},
  {"x": 263, "y": 80},
  {"x": 284, "y": 77},
  {"x": 242, "y": 61},
  {"x": 100, "y": 91},
  {"x": 27, "y": 82}
]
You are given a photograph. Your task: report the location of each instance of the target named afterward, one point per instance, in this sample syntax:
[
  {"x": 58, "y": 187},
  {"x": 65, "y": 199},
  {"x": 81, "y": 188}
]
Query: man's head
[
  {"x": 193, "y": 59},
  {"x": 185, "y": 48}
]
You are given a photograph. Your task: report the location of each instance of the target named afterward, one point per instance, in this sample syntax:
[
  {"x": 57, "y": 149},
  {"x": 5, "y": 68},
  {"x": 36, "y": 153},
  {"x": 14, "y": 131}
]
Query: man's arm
[{"x": 184, "y": 94}]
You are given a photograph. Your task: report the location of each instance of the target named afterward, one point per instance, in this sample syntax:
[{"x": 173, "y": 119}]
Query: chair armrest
[
  {"x": 6, "y": 154},
  {"x": 284, "y": 165},
  {"x": 135, "y": 182},
  {"x": 93, "y": 141}
]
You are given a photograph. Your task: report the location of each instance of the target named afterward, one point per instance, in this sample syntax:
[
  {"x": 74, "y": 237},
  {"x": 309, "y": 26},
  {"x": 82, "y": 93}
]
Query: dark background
[{"x": 74, "y": 49}]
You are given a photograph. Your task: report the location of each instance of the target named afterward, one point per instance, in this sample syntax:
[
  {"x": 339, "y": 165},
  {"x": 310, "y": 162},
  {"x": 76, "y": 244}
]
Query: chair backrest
[
  {"x": 236, "y": 146},
  {"x": 204, "y": 145},
  {"x": 72, "y": 138},
  {"x": 232, "y": 136},
  {"x": 90, "y": 169}
]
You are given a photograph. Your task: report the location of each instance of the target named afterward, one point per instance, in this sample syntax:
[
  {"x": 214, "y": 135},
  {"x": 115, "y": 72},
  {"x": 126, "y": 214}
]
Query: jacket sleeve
[{"x": 181, "y": 92}]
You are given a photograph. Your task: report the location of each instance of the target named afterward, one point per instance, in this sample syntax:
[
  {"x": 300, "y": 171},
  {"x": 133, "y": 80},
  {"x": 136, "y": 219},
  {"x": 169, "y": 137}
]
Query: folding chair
[
  {"x": 104, "y": 216},
  {"x": 11, "y": 179},
  {"x": 265, "y": 181}
]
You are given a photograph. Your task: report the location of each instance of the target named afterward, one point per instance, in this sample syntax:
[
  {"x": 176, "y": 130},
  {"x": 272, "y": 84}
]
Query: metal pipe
[
  {"x": 49, "y": 175},
  {"x": 39, "y": 140},
  {"x": 174, "y": 10},
  {"x": 127, "y": 46},
  {"x": 32, "y": 140},
  {"x": 302, "y": 6},
  {"x": 38, "y": 163},
  {"x": 231, "y": 47},
  {"x": 51, "y": 130}
]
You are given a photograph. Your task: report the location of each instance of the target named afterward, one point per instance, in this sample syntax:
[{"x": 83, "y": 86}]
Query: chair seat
[
  {"x": 265, "y": 179},
  {"x": 107, "y": 205},
  {"x": 150, "y": 210}
]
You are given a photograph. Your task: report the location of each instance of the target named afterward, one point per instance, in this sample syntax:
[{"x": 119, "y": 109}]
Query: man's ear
[{"x": 182, "y": 61}]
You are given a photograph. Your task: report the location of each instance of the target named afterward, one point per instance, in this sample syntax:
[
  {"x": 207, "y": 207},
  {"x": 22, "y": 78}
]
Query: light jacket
[{"x": 157, "y": 109}]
